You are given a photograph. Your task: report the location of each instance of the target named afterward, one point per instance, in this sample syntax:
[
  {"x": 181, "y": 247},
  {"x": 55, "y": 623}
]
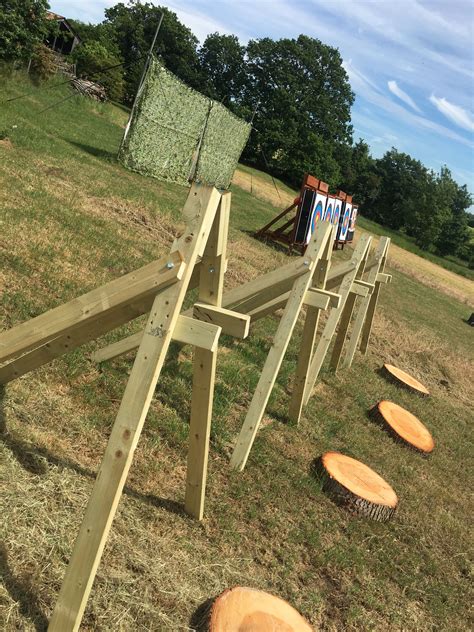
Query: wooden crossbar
[{"x": 90, "y": 307}]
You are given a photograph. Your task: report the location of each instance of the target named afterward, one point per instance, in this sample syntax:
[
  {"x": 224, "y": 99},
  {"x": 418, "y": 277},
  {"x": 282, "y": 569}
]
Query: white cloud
[
  {"x": 454, "y": 113},
  {"x": 403, "y": 96}
]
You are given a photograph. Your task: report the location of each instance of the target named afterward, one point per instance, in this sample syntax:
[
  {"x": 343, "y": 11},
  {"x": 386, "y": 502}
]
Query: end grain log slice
[
  {"x": 358, "y": 487},
  {"x": 401, "y": 378},
  {"x": 242, "y": 609},
  {"x": 403, "y": 426}
]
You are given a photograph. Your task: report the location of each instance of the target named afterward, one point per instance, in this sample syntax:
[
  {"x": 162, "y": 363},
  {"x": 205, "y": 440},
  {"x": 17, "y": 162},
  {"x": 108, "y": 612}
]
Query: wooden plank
[
  {"x": 309, "y": 334},
  {"x": 232, "y": 323},
  {"x": 319, "y": 240},
  {"x": 373, "y": 275},
  {"x": 358, "y": 287},
  {"x": 204, "y": 366},
  {"x": 363, "y": 325},
  {"x": 383, "y": 278},
  {"x": 250, "y": 298},
  {"x": 199, "y": 212},
  {"x": 330, "y": 327},
  {"x": 321, "y": 299},
  {"x": 88, "y": 308},
  {"x": 359, "y": 290}
]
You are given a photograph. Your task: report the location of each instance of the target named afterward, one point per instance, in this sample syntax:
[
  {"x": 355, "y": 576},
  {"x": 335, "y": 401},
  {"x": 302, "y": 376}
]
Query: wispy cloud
[
  {"x": 454, "y": 113},
  {"x": 403, "y": 96}
]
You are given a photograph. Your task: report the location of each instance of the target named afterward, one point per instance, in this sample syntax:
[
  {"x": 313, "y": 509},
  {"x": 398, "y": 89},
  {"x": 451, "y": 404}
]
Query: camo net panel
[{"x": 177, "y": 134}]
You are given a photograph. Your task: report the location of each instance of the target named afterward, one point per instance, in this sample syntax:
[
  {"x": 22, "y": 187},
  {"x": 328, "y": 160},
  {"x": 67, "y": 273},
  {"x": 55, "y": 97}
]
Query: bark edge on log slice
[
  {"x": 357, "y": 487},
  {"x": 404, "y": 379},
  {"x": 403, "y": 426},
  {"x": 241, "y": 609}
]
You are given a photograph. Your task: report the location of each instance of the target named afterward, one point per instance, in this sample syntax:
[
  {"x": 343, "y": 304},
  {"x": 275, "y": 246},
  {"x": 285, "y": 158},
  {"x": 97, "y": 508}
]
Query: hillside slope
[{"x": 71, "y": 219}]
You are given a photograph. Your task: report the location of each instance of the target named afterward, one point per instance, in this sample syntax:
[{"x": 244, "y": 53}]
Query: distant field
[{"x": 72, "y": 218}]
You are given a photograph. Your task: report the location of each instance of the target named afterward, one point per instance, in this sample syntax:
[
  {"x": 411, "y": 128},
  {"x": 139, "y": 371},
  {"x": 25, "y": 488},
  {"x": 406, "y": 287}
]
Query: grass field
[{"x": 71, "y": 218}]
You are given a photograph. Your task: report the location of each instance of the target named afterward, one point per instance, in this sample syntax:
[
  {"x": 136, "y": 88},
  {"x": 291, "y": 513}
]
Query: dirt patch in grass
[{"x": 6, "y": 143}]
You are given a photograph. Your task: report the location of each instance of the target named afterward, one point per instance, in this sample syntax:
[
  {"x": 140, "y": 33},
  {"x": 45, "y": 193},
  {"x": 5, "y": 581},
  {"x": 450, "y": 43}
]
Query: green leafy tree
[
  {"x": 23, "y": 25},
  {"x": 134, "y": 26},
  {"x": 91, "y": 58},
  {"x": 222, "y": 61},
  {"x": 455, "y": 234},
  {"x": 302, "y": 99}
]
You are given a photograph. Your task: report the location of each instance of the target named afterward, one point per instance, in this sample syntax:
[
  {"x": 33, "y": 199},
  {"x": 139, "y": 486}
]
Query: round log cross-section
[
  {"x": 358, "y": 487},
  {"x": 403, "y": 426},
  {"x": 242, "y": 609},
  {"x": 401, "y": 378}
]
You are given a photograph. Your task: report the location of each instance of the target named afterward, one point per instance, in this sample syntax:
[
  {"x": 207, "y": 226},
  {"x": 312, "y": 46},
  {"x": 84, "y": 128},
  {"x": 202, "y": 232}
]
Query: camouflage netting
[{"x": 177, "y": 134}]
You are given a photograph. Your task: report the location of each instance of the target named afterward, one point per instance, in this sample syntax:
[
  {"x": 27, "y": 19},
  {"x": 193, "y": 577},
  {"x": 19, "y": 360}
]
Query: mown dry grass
[{"x": 271, "y": 527}]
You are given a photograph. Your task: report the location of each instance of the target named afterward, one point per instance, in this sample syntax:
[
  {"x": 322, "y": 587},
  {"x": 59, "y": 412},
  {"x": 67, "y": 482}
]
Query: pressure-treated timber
[
  {"x": 248, "y": 298},
  {"x": 310, "y": 330},
  {"x": 204, "y": 366},
  {"x": 199, "y": 212},
  {"x": 370, "y": 312},
  {"x": 362, "y": 312},
  {"x": 357, "y": 486},
  {"x": 403, "y": 426},
  {"x": 405, "y": 380},
  {"x": 319, "y": 239},
  {"x": 359, "y": 290},
  {"x": 91, "y": 306},
  {"x": 322, "y": 347},
  {"x": 241, "y": 609},
  {"x": 232, "y": 323}
]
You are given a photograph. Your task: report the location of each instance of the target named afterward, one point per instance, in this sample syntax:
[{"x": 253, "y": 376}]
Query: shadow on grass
[
  {"x": 199, "y": 621},
  {"x": 275, "y": 245},
  {"x": 109, "y": 156},
  {"x": 36, "y": 460},
  {"x": 21, "y": 590}
]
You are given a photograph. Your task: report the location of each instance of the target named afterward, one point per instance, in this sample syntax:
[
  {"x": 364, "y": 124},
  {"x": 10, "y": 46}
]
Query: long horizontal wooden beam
[{"x": 90, "y": 307}]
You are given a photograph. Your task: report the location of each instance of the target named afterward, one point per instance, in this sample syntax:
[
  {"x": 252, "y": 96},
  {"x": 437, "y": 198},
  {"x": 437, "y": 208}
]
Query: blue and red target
[
  {"x": 317, "y": 214},
  {"x": 328, "y": 212},
  {"x": 337, "y": 212}
]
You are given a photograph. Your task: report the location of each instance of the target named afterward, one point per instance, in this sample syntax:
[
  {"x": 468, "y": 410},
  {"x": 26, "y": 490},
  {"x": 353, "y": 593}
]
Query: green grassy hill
[{"x": 71, "y": 218}]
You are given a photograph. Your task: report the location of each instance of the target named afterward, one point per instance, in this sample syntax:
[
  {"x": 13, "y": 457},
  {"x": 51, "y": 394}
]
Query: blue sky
[{"x": 410, "y": 62}]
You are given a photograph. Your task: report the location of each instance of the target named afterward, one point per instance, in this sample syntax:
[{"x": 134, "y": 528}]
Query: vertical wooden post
[
  {"x": 211, "y": 283},
  {"x": 317, "y": 245},
  {"x": 199, "y": 212},
  {"x": 308, "y": 337},
  {"x": 365, "y": 336},
  {"x": 380, "y": 257},
  {"x": 331, "y": 323}
]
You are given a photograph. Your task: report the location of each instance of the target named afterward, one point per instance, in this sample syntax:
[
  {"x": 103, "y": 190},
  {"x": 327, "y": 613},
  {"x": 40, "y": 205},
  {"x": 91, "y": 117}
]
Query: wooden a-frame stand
[{"x": 197, "y": 259}]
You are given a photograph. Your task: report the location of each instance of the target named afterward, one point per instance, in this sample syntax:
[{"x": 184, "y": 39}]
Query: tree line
[{"x": 295, "y": 91}]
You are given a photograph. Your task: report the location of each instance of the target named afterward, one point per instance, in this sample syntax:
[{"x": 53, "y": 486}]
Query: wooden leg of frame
[
  {"x": 331, "y": 324},
  {"x": 199, "y": 211},
  {"x": 368, "y": 304},
  {"x": 278, "y": 349},
  {"x": 342, "y": 332},
  {"x": 211, "y": 285}
]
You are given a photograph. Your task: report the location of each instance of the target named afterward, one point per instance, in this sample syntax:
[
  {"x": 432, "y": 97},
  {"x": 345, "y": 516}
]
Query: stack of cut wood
[{"x": 89, "y": 89}]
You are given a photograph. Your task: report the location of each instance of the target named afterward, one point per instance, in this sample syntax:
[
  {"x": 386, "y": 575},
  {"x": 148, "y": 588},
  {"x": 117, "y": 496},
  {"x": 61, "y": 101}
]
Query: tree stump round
[
  {"x": 403, "y": 426},
  {"x": 401, "y": 378},
  {"x": 356, "y": 486},
  {"x": 242, "y": 609}
]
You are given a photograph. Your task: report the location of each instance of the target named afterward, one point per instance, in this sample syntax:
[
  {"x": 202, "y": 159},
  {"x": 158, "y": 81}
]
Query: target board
[
  {"x": 318, "y": 213},
  {"x": 344, "y": 222},
  {"x": 329, "y": 208},
  {"x": 336, "y": 212},
  {"x": 352, "y": 222},
  {"x": 304, "y": 217}
]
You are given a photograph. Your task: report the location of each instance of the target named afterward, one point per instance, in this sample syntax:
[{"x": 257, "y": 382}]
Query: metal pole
[{"x": 145, "y": 68}]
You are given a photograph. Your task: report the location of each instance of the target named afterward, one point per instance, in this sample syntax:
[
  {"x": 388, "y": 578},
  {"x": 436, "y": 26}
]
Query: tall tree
[
  {"x": 303, "y": 98},
  {"x": 134, "y": 26},
  {"x": 223, "y": 66},
  {"x": 23, "y": 25}
]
